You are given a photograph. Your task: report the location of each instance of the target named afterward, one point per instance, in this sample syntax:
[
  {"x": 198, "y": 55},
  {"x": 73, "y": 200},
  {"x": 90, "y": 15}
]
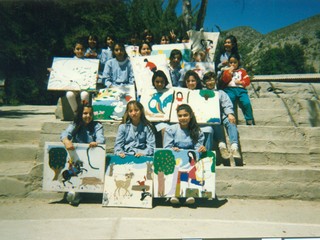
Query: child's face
[
  {"x": 119, "y": 52},
  {"x": 79, "y": 50},
  {"x": 233, "y": 62},
  {"x": 87, "y": 115},
  {"x": 228, "y": 45},
  {"x": 164, "y": 40},
  {"x": 109, "y": 41},
  {"x": 159, "y": 83},
  {"x": 92, "y": 42},
  {"x": 145, "y": 50},
  {"x": 175, "y": 61},
  {"x": 183, "y": 118},
  {"x": 191, "y": 83},
  {"x": 134, "y": 113},
  {"x": 210, "y": 83}
]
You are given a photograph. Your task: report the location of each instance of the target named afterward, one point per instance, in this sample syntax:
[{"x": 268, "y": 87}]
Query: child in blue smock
[
  {"x": 118, "y": 70},
  {"x": 192, "y": 81},
  {"x": 175, "y": 67},
  {"x": 82, "y": 130},
  {"x": 135, "y": 134},
  {"x": 184, "y": 135}
]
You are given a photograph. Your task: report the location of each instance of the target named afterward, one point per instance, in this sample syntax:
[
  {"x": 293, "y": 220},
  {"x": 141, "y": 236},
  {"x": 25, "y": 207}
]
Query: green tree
[{"x": 287, "y": 60}]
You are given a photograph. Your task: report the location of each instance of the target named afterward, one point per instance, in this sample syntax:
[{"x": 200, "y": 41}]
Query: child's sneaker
[
  {"x": 190, "y": 200},
  {"x": 73, "y": 198},
  {"x": 236, "y": 154},
  {"x": 224, "y": 151},
  {"x": 174, "y": 200},
  {"x": 235, "y": 151}
]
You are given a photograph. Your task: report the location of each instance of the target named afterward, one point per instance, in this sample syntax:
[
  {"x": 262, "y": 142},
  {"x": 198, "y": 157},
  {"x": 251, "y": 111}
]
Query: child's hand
[
  {"x": 68, "y": 144},
  {"x": 93, "y": 144},
  {"x": 202, "y": 149},
  {"x": 139, "y": 154},
  {"x": 122, "y": 155},
  {"x": 176, "y": 149},
  {"x": 232, "y": 118}
]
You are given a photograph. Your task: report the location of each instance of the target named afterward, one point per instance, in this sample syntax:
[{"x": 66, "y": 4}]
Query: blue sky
[{"x": 262, "y": 15}]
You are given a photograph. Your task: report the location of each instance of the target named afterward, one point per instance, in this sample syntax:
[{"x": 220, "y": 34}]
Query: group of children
[{"x": 136, "y": 134}]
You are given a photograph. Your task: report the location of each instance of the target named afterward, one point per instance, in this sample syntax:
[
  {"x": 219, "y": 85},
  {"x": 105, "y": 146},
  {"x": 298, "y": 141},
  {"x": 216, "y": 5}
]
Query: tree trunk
[
  {"x": 201, "y": 14},
  {"x": 187, "y": 17}
]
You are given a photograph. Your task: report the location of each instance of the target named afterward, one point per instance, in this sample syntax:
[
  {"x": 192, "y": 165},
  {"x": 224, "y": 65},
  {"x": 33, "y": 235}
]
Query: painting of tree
[
  {"x": 57, "y": 160},
  {"x": 164, "y": 163}
]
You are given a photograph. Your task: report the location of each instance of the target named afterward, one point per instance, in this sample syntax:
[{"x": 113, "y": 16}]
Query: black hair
[
  {"x": 209, "y": 75},
  {"x": 142, "y": 43},
  {"x": 78, "y": 121},
  {"x": 121, "y": 46},
  {"x": 195, "y": 75},
  {"x": 175, "y": 52},
  {"x": 161, "y": 74},
  {"x": 234, "y": 43},
  {"x": 193, "y": 126}
]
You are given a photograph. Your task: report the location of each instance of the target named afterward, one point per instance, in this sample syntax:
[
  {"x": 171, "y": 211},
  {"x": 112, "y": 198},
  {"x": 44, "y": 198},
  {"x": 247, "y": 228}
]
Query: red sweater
[{"x": 239, "y": 74}]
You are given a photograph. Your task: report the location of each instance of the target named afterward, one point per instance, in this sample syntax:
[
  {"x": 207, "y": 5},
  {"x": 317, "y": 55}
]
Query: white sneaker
[
  {"x": 190, "y": 200},
  {"x": 224, "y": 153},
  {"x": 236, "y": 154},
  {"x": 174, "y": 200},
  {"x": 73, "y": 198}
]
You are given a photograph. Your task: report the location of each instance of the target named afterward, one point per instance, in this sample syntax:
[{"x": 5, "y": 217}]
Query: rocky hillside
[{"x": 305, "y": 33}]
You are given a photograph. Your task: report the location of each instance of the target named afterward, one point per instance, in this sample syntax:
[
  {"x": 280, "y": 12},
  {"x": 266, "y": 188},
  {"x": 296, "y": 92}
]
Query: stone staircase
[{"x": 281, "y": 153}]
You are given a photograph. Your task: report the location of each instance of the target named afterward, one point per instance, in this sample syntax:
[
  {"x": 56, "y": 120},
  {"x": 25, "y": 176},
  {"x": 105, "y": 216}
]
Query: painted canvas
[
  {"x": 81, "y": 170},
  {"x": 206, "y": 41},
  {"x": 157, "y": 104},
  {"x": 204, "y": 103},
  {"x": 132, "y": 51},
  {"x": 199, "y": 67},
  {"x": 128, "y": 182},
  {"x": 110, "y": 103},
  {"x": 185, "y": 173},
  {"x": 166, "y": 49},
  {"x": 73, "y": 74},
  {"x": 143, "y": 69}
]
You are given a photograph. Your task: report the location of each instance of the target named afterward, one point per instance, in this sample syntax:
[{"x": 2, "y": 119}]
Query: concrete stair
[{"x": 281, "y": 153}]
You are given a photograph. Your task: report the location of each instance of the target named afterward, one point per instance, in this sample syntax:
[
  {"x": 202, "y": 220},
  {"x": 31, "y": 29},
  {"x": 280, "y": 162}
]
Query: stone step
[
  {"x": 18, "y": 152},
  {"x": 253, "y": 182},
  {"x": 268, "y": 117},
  {"x": 273, "y": 133},
  {"x": 12, "y": 135},
  {"x": 271, "y": 182},
  {"x": 280, "y": 159}
]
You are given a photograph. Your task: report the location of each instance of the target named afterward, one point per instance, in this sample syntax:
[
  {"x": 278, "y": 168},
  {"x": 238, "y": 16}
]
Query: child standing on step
[
  {"x": 184, "y": 135},
  {"x": 82, "y": 130}
]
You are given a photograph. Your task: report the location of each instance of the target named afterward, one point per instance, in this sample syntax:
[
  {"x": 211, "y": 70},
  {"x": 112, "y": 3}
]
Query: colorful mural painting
[
  {"x": 166, "y": 49},
  {"x": 128, "y": 182},
  {"x": 184, "y": 173},
  {"x": 143, "y": 69},
  {"x": 73, "y": 74},
  {"x": 206, "y": 41},
  {"x": 157, "y": 104},
  {"x": 81, "y": 170},
  {"x": 110, "y": 103},
  {"x": 204, "y": 103}
]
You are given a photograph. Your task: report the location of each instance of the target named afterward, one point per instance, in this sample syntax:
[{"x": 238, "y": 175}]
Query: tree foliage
[
  {"x": 289, "y": 59},
  {"x": 35, "y": 31}
]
